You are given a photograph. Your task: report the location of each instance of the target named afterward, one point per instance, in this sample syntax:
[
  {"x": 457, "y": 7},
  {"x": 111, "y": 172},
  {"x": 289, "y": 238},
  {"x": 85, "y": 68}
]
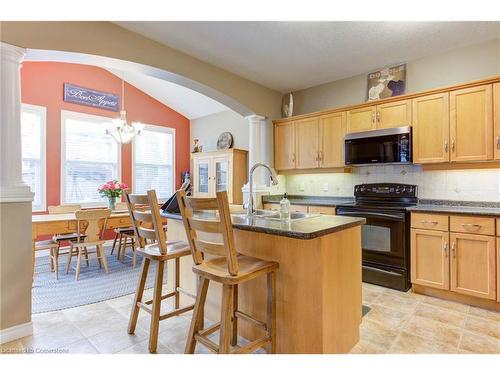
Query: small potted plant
[{"x": 112, "y": 190}]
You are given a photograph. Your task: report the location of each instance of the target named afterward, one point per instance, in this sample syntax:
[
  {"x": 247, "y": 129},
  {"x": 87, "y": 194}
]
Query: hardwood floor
[{"x": 397, "y": 323}]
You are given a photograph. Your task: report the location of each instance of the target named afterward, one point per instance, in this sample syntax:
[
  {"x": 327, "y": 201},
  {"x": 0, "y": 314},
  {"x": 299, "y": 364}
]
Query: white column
[
  {"x": 257, "y": 153},
  {"x": 12, "y": 187},
  {"x": 256, "y": 147}
]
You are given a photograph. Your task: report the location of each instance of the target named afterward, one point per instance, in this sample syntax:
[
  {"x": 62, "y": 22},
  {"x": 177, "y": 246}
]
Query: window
[
  {"x": 153, "y": 161},
  {"x": 89, "y": 157},
  {"x": 33, "y": 152}
]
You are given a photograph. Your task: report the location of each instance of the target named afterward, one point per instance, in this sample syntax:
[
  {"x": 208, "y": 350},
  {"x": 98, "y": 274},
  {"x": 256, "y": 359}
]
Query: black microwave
[{"x": 391, "y": 146}]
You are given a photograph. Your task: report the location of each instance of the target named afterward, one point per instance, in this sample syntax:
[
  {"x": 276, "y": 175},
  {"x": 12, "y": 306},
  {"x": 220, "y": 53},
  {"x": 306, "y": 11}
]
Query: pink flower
[
  {"x": 105, "y": 186},
  {"x": 123, "y": 186}
]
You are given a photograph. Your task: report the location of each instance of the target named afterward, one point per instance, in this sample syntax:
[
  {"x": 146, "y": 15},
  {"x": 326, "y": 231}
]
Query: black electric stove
[{"x": 385, "y": 238}]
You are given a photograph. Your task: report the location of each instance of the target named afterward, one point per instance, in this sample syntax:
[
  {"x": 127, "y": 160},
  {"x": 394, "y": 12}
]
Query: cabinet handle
[
  {"x": 445, "y": 248},
  {"x": 453, "y": 250},
  {"x": 445, "y": 146},
  {"x": 498, "y": 142},
  {"x": 373, "y": 118},
  {"x": 293, "y": 157},
  {"x": 453, "y": 145},
  {"x": 476, "y": 226},
  {"x": 429, "y": 222},
  {"x": 321, "y": 156},
  {"x": 378, "y": 116},
  {"x": 317, "y": 156}
]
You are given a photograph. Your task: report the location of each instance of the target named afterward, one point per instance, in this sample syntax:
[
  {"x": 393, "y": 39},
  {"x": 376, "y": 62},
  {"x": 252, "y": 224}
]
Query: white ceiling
[
  {"x": 288, "y": 56},
  {"x": 187, "y": 102}
]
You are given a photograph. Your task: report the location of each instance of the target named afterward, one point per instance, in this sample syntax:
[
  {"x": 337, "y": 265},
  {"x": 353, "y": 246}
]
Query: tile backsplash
[{"x": 466, "y": 185}]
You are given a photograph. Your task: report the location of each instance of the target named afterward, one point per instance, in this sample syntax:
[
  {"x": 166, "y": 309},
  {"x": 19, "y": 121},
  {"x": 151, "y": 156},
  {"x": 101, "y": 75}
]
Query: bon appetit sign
[{"x": 81, "y": 95}]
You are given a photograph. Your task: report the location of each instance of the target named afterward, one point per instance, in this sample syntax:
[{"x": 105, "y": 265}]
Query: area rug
[{"x": 94, "y": 285}]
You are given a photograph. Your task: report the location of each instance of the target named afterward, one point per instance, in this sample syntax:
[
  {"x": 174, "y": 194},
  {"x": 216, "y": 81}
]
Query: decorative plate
[{"x": 225, "y": 141}]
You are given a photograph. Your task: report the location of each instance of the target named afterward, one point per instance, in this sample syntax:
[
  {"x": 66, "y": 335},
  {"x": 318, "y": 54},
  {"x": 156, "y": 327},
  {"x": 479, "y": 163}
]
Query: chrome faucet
[{"x": 274, "y": 181}]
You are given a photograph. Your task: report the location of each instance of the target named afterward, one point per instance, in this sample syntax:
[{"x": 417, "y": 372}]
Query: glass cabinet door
[
  {"x": 203, "y": 170},
  {"x": 221, "y": 175}
]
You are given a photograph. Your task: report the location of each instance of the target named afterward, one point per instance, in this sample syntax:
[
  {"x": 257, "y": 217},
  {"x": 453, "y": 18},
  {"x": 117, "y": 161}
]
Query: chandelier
[{"x": 119, "y": 129}]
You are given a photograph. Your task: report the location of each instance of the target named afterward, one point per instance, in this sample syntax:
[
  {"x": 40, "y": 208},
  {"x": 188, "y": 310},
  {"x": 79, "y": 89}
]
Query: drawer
[
  {"x": 298, "y": 208},
  {"x": 429, "y": 221},
  {"x": 272, "y": 206},
  {"x": 322, "y": 210},
  {"x": 473, "y": 225}
]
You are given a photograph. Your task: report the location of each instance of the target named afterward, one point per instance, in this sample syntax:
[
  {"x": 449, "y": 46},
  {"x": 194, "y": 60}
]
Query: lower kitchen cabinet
[
  {"x": 323, "y": 210},
  {"x": 473, "y": 265},
  {"x": 430, "y": 258},
  {"x": 498, "y": 265}
]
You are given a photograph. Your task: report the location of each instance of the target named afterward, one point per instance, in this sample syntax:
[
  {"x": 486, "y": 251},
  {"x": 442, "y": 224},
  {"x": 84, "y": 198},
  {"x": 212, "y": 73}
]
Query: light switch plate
[
  {"x": 325, "y": 186},
  {"x": 302, "y": 187}
]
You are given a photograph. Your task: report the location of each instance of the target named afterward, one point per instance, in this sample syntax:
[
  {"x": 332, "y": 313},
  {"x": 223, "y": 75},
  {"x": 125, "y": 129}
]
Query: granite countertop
[
  {"x": 304, "y": 229},
  {"x": 309, "y": 200},
  {"x": 457, "y": 207}
]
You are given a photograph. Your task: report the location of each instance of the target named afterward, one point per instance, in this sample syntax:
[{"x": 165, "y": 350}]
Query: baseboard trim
[{"x": 16, "y": 332}]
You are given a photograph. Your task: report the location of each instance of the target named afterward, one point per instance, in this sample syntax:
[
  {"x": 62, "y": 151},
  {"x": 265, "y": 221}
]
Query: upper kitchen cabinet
[
  {"x": 394, "y": 114},
  {"x": 223, "y": 170},
  {"x": 332, "y": 130},
  {"x": 307, "y": 143},
  {"x": 471, "y": 124},
  {"x": 496, "y": 119},
  {"x": 284, "y": 145},
  {"x": 361, "y": 119},
  {"x": 431, "y": 129}
]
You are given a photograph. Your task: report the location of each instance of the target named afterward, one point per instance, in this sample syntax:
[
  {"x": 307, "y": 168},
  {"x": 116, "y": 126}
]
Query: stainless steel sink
[{"x": 275, "y": 215}]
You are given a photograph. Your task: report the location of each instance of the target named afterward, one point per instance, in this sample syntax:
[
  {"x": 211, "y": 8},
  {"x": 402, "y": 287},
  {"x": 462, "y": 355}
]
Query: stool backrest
[
  {"x": 64, "y": 209},
  {"x": 96, "y": 221},
  {"x": 145, "y": 217},
  {"x": 212, "y": 216}
]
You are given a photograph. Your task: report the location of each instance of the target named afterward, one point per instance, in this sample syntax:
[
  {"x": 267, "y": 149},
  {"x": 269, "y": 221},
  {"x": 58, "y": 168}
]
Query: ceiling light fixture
[{"x": 119, "y": 129}]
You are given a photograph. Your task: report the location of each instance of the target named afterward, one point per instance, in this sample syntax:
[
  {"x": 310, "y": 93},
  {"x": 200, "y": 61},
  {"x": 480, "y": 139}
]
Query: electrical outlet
[
  {"x": 302, "y": 187},
  {"x": 325, "y": 186}
]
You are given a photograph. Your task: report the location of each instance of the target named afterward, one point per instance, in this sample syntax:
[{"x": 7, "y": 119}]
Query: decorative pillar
[
  {"x": 12, "y": 187},
  {"x": 15, "y": 206},
  {"x": 257, "y": 153}
]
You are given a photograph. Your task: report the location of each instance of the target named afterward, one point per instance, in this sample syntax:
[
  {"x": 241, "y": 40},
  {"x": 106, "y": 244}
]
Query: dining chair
[
  {"x": 205, "y": 220},
  {"x": 144, "y": 213},
  {"x": 94, "y": 221},
  {"x": 124, "y": 237},
  {"x": 64, "y": 209}
]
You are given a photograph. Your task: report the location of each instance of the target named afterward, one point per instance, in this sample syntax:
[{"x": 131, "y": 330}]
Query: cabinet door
[
  {"x": 496, "y": 119},
  {"x": 361, "y": 119},
  {"x": 471, "y": 124},
  {"x": 394, "y": 114},
  {"x": 473, "y": 270},
  {"x": 323, "y": 210},
  {"x": 431, "y": 129},
  {"x": 222, "y": 175},
  {"x": 307, "y": 143},
  {"x": 498, "y": 268},
  {"x": 331, "y": 139},
  {"x": 430, "y": 263},
  {"x": 284, "y": 146},
  {"x": 202, "y": 178}
]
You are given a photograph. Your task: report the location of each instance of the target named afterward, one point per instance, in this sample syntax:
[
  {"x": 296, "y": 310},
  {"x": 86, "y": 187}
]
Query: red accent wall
[{"x": 42, "y": 84}]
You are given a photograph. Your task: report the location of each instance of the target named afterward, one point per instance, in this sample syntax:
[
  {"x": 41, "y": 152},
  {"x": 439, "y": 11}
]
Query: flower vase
[{"x": 112, "y": 203}]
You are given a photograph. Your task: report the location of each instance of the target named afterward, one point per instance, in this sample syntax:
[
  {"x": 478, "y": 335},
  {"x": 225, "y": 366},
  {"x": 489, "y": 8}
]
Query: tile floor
[{"x": 397, "y": 323}]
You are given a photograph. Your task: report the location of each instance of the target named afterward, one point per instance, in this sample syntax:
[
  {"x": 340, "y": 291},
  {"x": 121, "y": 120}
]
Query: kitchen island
[{"x": 318, "y": 283}]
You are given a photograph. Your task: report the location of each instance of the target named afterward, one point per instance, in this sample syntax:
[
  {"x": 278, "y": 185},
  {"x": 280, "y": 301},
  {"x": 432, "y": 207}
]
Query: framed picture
[{"x": 387, "y": 82}]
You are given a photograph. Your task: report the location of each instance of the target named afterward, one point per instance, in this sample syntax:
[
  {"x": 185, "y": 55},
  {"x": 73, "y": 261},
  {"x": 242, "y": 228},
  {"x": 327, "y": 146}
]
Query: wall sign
[
  {"x": 387, "y": 82},
  {"x": 92, "y": 98}
]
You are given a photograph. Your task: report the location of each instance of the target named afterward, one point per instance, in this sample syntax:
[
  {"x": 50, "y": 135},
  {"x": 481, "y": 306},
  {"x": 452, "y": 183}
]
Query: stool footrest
[
  {"x": 177, "y": 312},
  {"x": 207, "y": 331},
  {"x": 250, "y": 319},
  {"x": 252, "y": 346},
  {"x": 168, "y": 295},
  {"x": 144, "y": 307},
  {"x": 207, "y": 343}
]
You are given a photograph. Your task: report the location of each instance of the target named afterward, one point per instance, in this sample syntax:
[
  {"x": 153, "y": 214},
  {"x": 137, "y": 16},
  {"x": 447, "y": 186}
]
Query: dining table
[{"x": 52, "y": 224}]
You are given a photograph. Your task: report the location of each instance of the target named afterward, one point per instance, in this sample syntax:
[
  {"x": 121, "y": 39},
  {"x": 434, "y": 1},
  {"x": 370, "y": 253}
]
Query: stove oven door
[{"x": 383, "y": 237}]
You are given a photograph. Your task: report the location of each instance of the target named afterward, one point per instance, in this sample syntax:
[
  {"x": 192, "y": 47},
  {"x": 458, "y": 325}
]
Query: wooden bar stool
[
  {"x": 145, "y": 216},
  {"x": 227, "y": 268}
]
